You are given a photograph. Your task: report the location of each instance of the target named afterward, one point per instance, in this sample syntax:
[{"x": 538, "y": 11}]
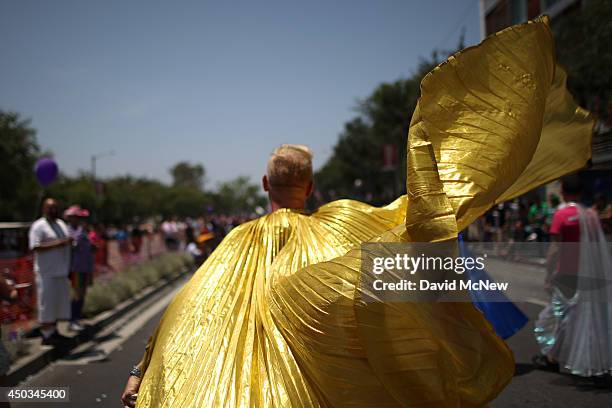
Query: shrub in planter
[
  {"x": 100, "y": 297},
  {"x": 125, "y": 284}
]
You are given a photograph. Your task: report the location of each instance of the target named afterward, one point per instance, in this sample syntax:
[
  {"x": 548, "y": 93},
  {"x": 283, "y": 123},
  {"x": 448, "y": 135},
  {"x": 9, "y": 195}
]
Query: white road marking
[{"x": 119, "y": 331}]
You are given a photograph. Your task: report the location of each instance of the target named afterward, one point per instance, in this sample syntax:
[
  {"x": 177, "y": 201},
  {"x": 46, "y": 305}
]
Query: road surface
[{"x": 96, "y": 373}]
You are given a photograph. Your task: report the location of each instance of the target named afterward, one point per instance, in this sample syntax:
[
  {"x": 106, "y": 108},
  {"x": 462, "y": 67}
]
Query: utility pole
[{"x": 94, "y": 159}]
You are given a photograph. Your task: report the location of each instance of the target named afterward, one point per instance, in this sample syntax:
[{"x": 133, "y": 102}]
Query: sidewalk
[{"x": 38, "y": 356}]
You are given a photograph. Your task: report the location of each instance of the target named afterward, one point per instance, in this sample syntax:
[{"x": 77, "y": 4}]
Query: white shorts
[{"x": 53, "y": 298}]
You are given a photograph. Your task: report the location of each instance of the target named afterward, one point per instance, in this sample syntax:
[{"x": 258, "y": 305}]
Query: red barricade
[{"x": 21, "y": 272}]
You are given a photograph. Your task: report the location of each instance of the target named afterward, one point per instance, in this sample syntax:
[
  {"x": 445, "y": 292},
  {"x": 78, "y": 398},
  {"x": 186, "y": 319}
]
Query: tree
[
  {"x": 127, "y": 199},
  {"x": 185, "y": 174},
  {"x": 355, "y": 167},
  {"x": 19, "y": 150},
  {"x": 583, "y": 48},
  {"x": 74, "y": 190},
  {"x": 185, "y": 202},
  {"x": 238, "y": 196}
]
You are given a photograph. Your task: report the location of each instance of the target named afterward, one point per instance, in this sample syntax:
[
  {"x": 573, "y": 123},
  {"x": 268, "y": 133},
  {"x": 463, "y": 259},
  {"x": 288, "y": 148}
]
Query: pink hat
[{"x": 76, "y": 211}]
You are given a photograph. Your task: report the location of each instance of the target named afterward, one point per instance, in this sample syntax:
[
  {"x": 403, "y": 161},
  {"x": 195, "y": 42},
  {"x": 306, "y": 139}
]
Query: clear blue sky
[{"x": 219, "y": 83}]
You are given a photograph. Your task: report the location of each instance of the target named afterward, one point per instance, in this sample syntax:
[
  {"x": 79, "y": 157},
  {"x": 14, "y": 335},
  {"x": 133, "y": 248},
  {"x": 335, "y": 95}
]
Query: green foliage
[
  {"x": 583, "y": 46},
  {"x": 185, "y": 201},
  {"x": 128, "y": 198},
  {"x": 124, "y": 199},
  {"x": 71, "y": 190},
  {"x": 583, "y": 43},
  {"x": 188, "y": 175},
  {"x": 383, "y": 118},
  {"x": 125, "y": 284},
  {"x": 238, "y": 196},
  {"x": 19, "y": 190}
]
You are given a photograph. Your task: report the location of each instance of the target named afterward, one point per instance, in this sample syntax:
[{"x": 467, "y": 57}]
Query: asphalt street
[
  {"x": 96, "y": 373},
  {"x": 97, "y": 383}
]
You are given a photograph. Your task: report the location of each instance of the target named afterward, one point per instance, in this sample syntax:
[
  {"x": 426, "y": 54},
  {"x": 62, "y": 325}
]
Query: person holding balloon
[{"x": 51, "y": 243}]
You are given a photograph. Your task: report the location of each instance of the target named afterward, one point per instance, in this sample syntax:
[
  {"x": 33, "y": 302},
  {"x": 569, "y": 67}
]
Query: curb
[{"x": 33, "y": 363}]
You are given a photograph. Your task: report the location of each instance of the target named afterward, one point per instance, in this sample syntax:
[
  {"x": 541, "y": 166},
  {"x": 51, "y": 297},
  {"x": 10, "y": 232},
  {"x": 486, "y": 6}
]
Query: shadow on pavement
[
  {"x": 597, "y": 385},
  {"x": 522, "y": 369}
]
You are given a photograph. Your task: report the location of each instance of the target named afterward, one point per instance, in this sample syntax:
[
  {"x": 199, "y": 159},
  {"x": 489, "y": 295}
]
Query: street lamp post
[{"x": 94, "y": 159}]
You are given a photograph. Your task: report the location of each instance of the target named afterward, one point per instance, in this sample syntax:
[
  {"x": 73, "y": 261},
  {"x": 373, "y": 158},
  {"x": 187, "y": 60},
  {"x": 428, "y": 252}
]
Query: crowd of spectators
[
  {"x": 199, "y": 236},
  {"x": 530, "y": 221},
  {"x": 70, "y": 251}
]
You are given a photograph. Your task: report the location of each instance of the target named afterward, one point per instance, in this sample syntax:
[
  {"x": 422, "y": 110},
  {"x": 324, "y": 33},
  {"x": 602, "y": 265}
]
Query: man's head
[
  {"x": 571, "y": 187},
  {"x": 50, "y": 208},
  {"x": 288, "y": 178}
]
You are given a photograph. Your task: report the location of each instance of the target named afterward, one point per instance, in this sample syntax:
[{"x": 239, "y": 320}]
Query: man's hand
[
  {"x": 131, "y": 389},
  {"x": 56, "y": 243}
]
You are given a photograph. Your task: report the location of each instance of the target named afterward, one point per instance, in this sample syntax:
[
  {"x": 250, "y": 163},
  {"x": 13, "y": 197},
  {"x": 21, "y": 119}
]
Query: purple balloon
[{"x": 46, "y": 171}]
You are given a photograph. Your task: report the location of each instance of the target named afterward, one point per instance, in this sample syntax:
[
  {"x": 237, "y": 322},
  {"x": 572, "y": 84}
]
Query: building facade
[{"x": 498, "y": 14}]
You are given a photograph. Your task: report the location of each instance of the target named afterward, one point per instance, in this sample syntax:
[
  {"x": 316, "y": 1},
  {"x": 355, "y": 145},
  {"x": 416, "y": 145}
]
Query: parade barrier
[
  {"x": 171, "y": 267},
  {"x": 20, "y": 316},
  {"x": 20, "y": 271},
  {"x": 124, "y": 253},
  {"x": 124, "y": 270}
]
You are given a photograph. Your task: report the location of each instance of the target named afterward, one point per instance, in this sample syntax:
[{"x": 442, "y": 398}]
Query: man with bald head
[{"x": 51, "y": 243}]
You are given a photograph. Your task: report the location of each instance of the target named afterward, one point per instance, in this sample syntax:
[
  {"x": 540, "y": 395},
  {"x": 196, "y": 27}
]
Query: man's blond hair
[{"x": 290, "y": 165}]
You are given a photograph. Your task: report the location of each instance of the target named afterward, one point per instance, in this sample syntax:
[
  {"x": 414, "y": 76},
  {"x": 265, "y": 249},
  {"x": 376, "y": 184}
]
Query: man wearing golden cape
[{"x": 276, "y": 317}]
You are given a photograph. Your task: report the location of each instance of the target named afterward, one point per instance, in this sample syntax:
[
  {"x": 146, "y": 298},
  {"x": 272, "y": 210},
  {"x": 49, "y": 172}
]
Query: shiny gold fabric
[
  {"x": 217, "y": 344},
  {"x": 276, "y": 317}
]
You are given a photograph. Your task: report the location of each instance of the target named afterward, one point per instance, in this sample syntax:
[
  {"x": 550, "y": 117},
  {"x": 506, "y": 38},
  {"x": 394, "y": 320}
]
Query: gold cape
[{"x": 276, "y": 317}]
